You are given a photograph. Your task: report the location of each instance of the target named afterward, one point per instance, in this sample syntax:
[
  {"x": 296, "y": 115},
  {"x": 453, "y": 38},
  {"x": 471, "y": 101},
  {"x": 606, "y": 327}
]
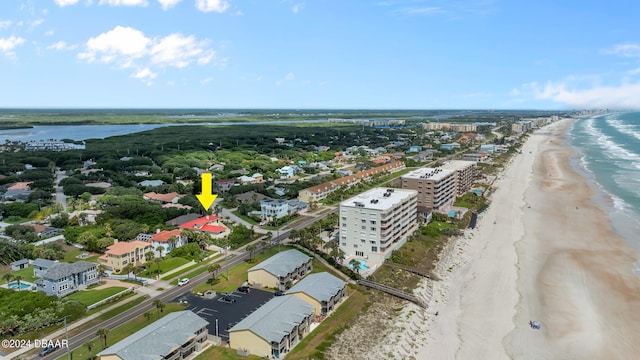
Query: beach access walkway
[
  {"x": 393, "y": 291},
  {"x": 412, "y": 269}
]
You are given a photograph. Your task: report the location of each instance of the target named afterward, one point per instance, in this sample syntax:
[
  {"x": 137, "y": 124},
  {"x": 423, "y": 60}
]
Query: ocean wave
[
  {"x": 610, "y": 147},
  {"x": 621, "y": 127}
]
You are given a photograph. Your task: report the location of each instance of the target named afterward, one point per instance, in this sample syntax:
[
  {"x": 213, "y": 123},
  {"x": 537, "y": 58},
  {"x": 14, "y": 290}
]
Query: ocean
[{"x": 608, "y": 154}]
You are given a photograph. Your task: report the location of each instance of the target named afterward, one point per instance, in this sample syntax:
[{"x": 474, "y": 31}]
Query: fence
[{"x": 111, "y": 298}]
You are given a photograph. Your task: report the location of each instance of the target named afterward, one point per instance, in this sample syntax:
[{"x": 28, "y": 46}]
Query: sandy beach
[{"x": 542, "y": 251}]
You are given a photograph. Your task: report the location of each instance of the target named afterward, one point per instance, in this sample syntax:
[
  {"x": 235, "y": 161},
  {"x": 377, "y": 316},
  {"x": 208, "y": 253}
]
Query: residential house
[
  {"x": 274, "y": 329},
  {"x": 321, "y": 290},
  {"x": 223, "y": 186},
  {"x": 151, "y": 183},
  {"x": 278, "y": 208},
  {"x": 450, "y": 146},
  {"x": 163, "y": 238},
  {"x": 287, "y": 171},
  {"x": 173, "y": 337},
  {"x": 64, "y": 278},
  {"x": 41, "y": 266},
  {"x": 20, "y": 264},
  {"x": 253, "y": 179},
  {"x": 277, "y": 270},
  {"x": 122, "y": 253},
  {"x": 208, "y": 224},
  {"x": 182, "y": 219},
  {"x": 477, "y": 157},
  {"x": 171, "y": 197}
]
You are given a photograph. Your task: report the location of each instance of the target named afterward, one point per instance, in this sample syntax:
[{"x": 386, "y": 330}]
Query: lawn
[
  {"x": 237, "y": 274},
  {"x": 72, "y": 256},
  {"x": 168, "y": 264},
  {"x": 26, "y": 273},
  {"x": 244, "y": 217},
  {"x": 314, "y": 344},
  {"x": 89, "y": 297},
  {"x": 223, "y": 353},
  {"x": 121, "y": 332}
]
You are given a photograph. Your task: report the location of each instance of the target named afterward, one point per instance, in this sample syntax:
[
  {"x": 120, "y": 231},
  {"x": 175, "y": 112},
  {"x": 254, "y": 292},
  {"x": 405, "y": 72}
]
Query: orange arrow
[{"x": 206, "y": 198}]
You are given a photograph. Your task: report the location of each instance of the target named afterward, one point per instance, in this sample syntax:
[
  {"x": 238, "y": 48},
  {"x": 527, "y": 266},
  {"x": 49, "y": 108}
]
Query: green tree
[
  {"x": 147, "y": 315},
  {"x": 251, "y": 248},
  {"x": 159, "y": 305},
  {"x": 355, "y": 264},
  {"x": 128, "y": 269},
  {"x": 102, "y": 269},
  {"x": 213, "y": 269},
  {"x": 89, "y": 345},
  {"x": 160, "y": 250},
  {"x": 7, "y": 277},
  {"x": 18, "y": 279},
  {"x": 102, "y": 334}
]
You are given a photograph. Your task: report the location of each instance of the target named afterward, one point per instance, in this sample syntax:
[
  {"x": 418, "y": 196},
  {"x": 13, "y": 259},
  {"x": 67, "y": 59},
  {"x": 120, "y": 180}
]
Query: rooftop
[
  {"x": 159, "y": 338},
  {"x": 282, "y": 263},
  {"x": 458, "y": 164},
  {"x": 62, "y": 270},
  {"x": 124, "y": 247},
  {"x": 427, "y": 173},
  {"x": 161, "y": 197},
  {"x": 320, "y": 286},
  {"x": 205, "y": 223},
  {"x": 379, "y": 198},
  {"x": 275, "y": 319},
  {"x": 163, "y": 236}
]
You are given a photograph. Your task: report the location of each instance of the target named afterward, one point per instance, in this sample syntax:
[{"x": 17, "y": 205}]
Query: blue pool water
[
  {"x": 452, "y": 213},
  {"x": 23, "y": 286},
  {"x": 363, "y": 264}
]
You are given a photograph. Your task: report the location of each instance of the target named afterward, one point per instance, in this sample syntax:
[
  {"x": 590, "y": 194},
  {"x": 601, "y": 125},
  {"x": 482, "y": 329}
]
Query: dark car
[
  {"x": 48, "y": 350},
  {"x": 278, "y": 293},
  {"x": 244, "y": 289},
  {"x": 228, "y": 298}
]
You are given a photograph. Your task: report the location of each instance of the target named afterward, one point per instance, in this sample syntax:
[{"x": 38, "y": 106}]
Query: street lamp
[{"x": 216, "y": 327}]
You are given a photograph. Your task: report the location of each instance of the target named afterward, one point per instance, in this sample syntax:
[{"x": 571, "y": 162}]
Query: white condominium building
[
  {"x": 376, "y": 222},
  {"x": 465, "y": 171}
]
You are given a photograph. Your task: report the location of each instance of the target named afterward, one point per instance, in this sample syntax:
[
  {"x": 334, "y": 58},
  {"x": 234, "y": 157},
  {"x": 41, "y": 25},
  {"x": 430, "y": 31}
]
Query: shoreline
[{"x": 552, "y": 255}]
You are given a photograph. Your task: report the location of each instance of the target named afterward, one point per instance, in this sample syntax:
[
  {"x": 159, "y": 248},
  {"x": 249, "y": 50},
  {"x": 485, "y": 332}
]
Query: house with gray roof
[
  {"x": 41, "y": 266},
  {"x": 175, "y": 336},
  {"x": 64, "y": 278},
  {"x": 274, "y": 329},
  {"x": 20, "y": 264},
  {"x": 279, "y": 269},
  {"x": 322, "y": 290}
]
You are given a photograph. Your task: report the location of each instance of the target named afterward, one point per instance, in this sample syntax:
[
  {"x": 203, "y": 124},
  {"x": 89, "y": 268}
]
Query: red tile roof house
[
  {"x": 208, "y": 224},
  {"x": 161, "y": 238},
  {"x": 171, "y": 197},
  {"x": 24, "y": 185}
]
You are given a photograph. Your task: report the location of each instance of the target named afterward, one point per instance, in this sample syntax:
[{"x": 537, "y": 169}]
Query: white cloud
[
  {"x": 61, "y": 45},
  {"x": 290, "y": 76},
  {"x": 206, "y": 80},
  {"x": 212, "y": 5},
  {"x": 124, "y": 2},
  {"x": 425, "y": 10},
  {"x": 49, "y": 33},
  {"x": 4, "y": 24},
  {"x": 8, "y": 44},
  {"x": 120, "y": 42},
  {"x": 178, "y": 51},
  {"x": 297, "y": 7},
  {"x": 36, "y": 23},
  {"x": 625, "y": 95},
  {"x": 171, "y": 83},
  {"x": 167, "y": 4},
  {"x": 129, "y": 48},
  {"x": 63, "y": 3},
  {"x": 626, "y": 50}
]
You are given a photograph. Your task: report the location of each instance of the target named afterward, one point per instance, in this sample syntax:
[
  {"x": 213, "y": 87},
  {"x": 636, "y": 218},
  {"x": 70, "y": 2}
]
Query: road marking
[{"x": 206, "y": 311}]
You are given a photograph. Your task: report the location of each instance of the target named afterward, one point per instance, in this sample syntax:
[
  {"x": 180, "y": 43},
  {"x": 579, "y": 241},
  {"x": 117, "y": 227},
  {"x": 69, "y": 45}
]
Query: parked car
[
  {"x": 184, "y": 281},
  {"x": 278, "y": 293},
  {"x": 244, "y": 289},
  {"x": 48, "y": 350},
  {"x": 228, "y": 298}
]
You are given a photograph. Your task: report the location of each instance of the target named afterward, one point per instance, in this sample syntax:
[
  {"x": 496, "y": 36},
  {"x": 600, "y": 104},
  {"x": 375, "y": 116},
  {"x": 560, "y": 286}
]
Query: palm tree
[
  {"x": 149, "y": 255},
  {"x": 147, "y": 315},
  {"x": 157, "y": 262},
  {"x": 128, "y": 269},
  {"x": 173, "y": 241},
  {"x": 102, "y": 269},
  {"x": 7, "y": 277},
  {"x": 89, "y": 345},
  {"x": 213, "y": 269},
  {"x": 18, "y": 278},
  {"x": 355, "y": 264},
  {"x": 251, "y": 248},
  {"x": 159, "y": 306},
  {"x": 102, "y": 333},
  {"x": 136, "y": 270},
  {"x": 160, "y": 249}
]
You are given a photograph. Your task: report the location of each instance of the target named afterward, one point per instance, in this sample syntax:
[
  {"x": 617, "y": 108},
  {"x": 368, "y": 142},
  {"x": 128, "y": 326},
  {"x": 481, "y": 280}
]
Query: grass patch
[
  {"x": 223, "y": 353},
  {"x": 121, "y": 332},
  {"x": 168, "y": 264},
  {"x": 26, "y": 274},
  {"x": 314, "y": 344},
  {"x": 237, "y": 274},
  {"x": 89, "y": 297},
  {"x": 244, "y": 217},
  {"x": 72, "y": 256}
]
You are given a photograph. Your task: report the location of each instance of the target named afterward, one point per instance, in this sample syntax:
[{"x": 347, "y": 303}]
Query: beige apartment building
[
  {"x": 436, "y": 187},
  {"x": 464, "y": 173},
  {"x": 376, "y": 222}
]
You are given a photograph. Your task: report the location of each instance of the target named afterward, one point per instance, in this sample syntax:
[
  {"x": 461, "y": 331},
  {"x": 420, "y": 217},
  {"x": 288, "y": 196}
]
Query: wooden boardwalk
[
  {"x": 411, "y": 269},
  {"x": 393, "y": 291}
]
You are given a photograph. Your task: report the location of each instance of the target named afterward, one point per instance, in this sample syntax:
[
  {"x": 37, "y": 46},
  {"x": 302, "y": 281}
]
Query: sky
[{"x": 322, "y": 54}]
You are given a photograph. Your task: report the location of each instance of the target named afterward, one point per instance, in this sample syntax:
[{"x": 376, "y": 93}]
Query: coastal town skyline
[{"x": 304, "y": 55}]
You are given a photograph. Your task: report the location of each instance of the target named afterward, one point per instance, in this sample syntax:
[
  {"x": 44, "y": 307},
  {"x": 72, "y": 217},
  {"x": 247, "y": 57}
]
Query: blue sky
[{"x": 344, "y": 54}]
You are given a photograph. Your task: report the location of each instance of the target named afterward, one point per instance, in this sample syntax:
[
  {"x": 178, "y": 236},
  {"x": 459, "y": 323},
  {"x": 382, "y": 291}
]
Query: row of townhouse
[{"x": 320, "y": 192}]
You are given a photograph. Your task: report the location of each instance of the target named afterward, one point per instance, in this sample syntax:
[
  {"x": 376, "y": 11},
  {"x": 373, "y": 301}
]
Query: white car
[{"x": 184, "y": 281}]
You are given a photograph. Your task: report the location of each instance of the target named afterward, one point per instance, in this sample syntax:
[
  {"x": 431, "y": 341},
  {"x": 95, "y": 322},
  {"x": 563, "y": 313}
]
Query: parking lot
[{"x": 227, "y": 313}]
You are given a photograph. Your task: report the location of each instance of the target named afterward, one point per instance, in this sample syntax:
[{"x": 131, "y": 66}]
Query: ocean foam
[
  {"x": 627, "y": 129},
  {"x": 610, "y": 148}
]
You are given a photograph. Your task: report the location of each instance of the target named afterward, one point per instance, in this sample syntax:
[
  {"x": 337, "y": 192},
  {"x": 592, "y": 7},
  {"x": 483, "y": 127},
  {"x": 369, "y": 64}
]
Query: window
[
  {"x": 373, "y": 242},
  {"x": 362, "y": 240},
  {"x": 374, "y": 248},
  {"x": 344, "y": 218},
  {"x": 344, "y": 243},
  {"x": 373, "y": 222},
  {"x": 363, "y": 221},
  {"x": 363, "y": 228},
  {"x": 373, "y": 228},
  {"x": 355, "y": 246},
  {"x": 359, "y": 253},
  {"x": 343, "y": 237}
]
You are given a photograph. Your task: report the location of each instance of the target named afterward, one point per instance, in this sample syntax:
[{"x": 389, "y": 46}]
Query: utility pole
[
  {"x": 216, "y": 327},
  {"x": 66, "y": 334}
]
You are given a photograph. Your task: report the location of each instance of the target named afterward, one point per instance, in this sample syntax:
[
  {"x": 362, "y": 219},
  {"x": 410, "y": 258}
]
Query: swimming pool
[
  {"x": 23, "y": 286},
  {"x": 452, "y": 213},
  {"x": 363, "y": 264}
]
